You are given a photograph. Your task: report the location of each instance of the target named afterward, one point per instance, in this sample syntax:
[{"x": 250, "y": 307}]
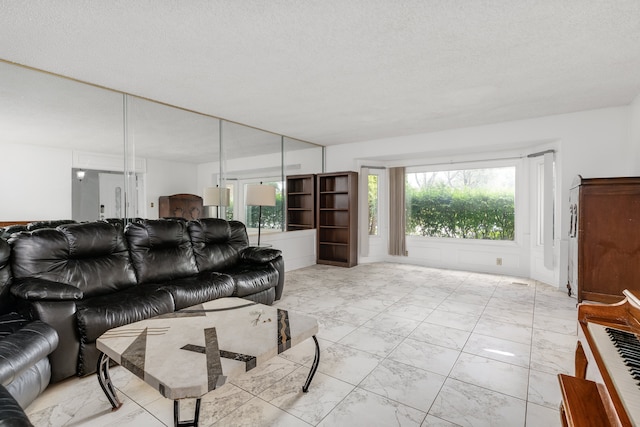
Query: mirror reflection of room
[
  {"x": 131, "y": 152},
  {"x": 99, "y": 195}
]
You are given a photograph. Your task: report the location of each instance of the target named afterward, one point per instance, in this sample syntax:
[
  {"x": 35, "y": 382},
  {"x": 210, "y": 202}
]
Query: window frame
[
  {"x": 378, "y": 174},
  {"x": 517, "y": 163},
  {"x": 230, "y": 209}
]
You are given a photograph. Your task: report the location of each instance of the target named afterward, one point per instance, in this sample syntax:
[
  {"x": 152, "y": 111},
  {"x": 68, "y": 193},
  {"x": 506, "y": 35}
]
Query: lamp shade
[
  {"x": 261, "y": 195},
  {"x": 215, "y": 196}
]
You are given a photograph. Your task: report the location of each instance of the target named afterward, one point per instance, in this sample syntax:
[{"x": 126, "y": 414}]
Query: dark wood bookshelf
[
  {"x": 337, "y": 218},
  {"x": 301, "y": 202}
]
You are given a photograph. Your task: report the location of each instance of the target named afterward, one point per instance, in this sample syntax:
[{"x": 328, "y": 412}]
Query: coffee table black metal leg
[
  {"x": 105, "y": 381},
  {"x": 314, "y": 367},
  {"x": 176, "y": 415}
]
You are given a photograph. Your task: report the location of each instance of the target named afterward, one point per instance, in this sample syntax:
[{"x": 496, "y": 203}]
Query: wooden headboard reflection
[{"x": 5, "y": 223}]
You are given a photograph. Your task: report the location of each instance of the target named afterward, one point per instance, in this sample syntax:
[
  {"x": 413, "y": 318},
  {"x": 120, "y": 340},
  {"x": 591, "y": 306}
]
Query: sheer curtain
[
  {"x": 397, "y": 219},
  {"x": 549, "y": 197},
  {"x": 363, "y": 212}
]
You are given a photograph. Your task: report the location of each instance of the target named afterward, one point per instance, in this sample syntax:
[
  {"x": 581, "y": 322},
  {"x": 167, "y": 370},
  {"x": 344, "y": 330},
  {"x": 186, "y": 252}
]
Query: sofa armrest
[
  {"x": 11, "y": 414},
  {"x": 23, "y": 348},
  {"x": 33, "y": 289},
  {"x": 278, "y": 264},
  {"x": 61, "y": 316},
  {"x": 259, "y": 254}
]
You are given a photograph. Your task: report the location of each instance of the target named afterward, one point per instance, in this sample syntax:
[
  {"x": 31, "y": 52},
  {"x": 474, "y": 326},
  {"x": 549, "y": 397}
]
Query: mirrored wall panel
[
  {"x": 76, "y": 151},
  {"x": 49, "y": 126},
  {"x": 253, "y": 157},
  {"x": 169, "y": 143},
  {"x": 300, "y": 157}
]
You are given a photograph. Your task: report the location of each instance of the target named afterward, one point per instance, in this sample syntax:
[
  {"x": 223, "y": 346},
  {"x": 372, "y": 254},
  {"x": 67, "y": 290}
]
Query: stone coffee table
[{"x": 190, "y": 352}]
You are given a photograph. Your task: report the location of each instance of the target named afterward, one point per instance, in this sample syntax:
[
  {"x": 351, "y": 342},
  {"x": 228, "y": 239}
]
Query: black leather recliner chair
[
  {"x": 11, "y": 413},
  {"x": 24, "y": 346}
]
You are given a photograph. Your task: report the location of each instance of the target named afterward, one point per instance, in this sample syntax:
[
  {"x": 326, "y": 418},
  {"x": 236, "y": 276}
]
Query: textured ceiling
[{"x": 337, "y": 71}]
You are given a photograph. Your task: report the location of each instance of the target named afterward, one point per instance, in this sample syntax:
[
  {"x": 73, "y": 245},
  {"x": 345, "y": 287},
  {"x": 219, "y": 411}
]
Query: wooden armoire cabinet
[
  {"x": 604, "y": 238},
  {"x": 187, "y": 206},
  {"x": 337, "y": 218}
]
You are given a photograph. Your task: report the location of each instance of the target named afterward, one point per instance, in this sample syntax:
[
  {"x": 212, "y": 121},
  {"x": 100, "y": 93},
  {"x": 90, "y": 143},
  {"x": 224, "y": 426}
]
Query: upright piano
[{"x": 605, "y": 390}]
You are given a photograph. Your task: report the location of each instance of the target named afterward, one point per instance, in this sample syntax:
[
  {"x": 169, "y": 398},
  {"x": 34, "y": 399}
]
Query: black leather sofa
[
  {"x": 24, "y": 346},
  {"x": 84, "y": 279}
]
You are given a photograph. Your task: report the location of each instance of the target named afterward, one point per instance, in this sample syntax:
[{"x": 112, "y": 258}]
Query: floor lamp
[
  {"x": 216, "y": 196},
  {"x": 260, "y": 195}
]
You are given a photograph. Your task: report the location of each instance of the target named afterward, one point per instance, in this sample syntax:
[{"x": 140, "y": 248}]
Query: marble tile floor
[{"x": 401, "y": 345}]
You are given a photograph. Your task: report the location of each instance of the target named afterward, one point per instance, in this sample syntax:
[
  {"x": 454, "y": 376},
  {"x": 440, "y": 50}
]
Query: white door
[{"x": 111, "y": 187}]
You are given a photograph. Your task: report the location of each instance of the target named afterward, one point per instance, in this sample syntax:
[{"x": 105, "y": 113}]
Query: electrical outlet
[{"x": 498, "y": 261}]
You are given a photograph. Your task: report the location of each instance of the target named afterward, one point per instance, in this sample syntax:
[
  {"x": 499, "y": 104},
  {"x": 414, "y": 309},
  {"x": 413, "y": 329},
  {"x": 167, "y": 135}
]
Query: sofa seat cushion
[
  {"x": 252, "y": 278},
  {"x": 97, "y": 315},
  {"x": 266, "y": 297},
  {"x": 198, "y": 289}
]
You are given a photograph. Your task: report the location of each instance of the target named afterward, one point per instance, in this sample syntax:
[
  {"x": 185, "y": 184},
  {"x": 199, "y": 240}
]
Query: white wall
[
  {"x": 298, "y": 247},
  {"x": 591, "y": 143},
  {"x": 35, "y": 183}
]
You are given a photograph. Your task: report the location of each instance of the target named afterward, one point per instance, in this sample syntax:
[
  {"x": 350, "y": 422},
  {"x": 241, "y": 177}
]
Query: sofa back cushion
[
  {"x": 36, "y": 225},
  {"x": 90, "y": 256},
  {"x": 217, "y": 243},
  {"x": 5, "y": 276},
  {"x": 160, "y": 250},
  {"x": 6, "y": 232}
]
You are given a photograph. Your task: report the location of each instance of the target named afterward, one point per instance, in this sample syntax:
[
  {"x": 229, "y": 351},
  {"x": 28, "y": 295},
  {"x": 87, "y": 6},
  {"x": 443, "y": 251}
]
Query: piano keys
[
  {"x": 621, "y": 375},
  {"x": 607, "y": 364},
  {"x": 628, "y": 347}
]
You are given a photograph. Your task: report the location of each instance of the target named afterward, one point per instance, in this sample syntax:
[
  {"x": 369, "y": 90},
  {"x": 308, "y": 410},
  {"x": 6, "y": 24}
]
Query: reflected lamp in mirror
[
  {"x": 215, "y": 196},
  {"x": 80, "y": 175},
  {"x": 260, "y": 195}
]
